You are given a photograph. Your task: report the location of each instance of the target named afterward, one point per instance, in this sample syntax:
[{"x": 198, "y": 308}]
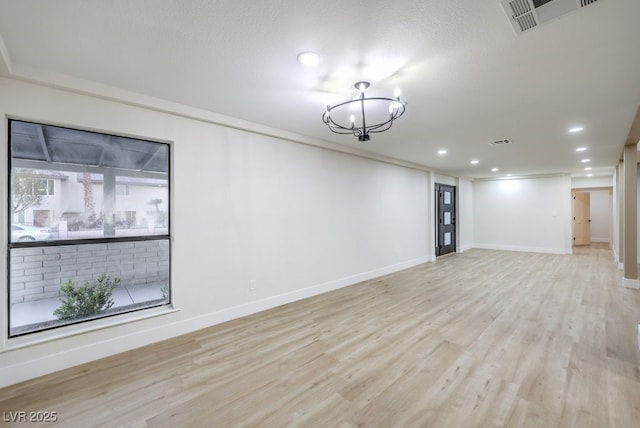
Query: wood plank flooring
[{"x": 479, "y": 339}]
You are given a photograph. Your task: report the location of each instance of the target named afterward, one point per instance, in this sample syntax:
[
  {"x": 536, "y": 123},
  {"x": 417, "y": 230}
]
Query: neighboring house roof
[
  {"x": 136, "y": 181},
  {"x": 47, "y": 174}
]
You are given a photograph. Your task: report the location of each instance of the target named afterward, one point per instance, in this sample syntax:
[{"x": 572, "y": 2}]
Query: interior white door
[{"x": 582, "y": 218}]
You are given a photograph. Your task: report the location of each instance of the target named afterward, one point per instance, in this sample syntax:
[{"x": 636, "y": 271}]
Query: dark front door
[{"x": 445, "y": 219}]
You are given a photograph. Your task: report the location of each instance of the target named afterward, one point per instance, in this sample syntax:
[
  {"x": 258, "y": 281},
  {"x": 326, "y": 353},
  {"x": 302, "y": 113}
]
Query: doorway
[
  {"x": 582, "y": 218},
  {"x": 592, "y": 215},
  {"x": 445, "y": 197}
]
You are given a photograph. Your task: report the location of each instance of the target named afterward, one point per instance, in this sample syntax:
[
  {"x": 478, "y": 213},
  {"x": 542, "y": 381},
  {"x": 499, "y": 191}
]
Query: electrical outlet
[{"x": 252, "y": 285}]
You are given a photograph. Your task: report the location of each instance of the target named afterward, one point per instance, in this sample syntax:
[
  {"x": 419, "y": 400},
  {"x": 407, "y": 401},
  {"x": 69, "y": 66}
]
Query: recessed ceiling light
[
  {"x": 585, "y": 160},
  {"x": 589, "y": 175},
  {"x": 442, "y": 152},
  {"x": 588, "y": 168},
  {"x": 309, "y": 59},
  {"x": 495, "y": 169},
  {"x": 475, "y": 162},
  {"x": 576, "y": 129},
  {"x": 509, "y": 175},
  {"x": 581, "y": 149}
]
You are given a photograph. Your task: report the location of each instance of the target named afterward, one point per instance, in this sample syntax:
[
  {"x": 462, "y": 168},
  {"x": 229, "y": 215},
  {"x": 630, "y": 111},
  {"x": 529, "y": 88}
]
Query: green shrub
[{"x": 87, "y": 300}]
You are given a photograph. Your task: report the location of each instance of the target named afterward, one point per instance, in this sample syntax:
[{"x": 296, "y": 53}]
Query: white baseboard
[
  {"x": 631, "y": 283},
  {"x": 546, "y": 250},
  {"x": 67, "y": 358}
]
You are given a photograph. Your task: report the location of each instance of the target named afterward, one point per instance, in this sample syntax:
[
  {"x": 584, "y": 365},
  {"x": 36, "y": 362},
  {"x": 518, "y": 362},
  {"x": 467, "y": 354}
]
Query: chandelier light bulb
[
  {"x": 397, "y": 92},
  {"x": 352, "y": 118}
]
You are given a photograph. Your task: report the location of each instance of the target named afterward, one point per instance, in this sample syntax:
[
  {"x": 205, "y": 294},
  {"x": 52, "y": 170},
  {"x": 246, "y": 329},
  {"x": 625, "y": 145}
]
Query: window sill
[{"x": 13, "y": 343}]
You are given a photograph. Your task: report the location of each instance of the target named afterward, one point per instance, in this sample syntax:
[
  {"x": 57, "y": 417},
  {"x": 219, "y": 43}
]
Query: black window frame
[{"x": 90, "y": 240}]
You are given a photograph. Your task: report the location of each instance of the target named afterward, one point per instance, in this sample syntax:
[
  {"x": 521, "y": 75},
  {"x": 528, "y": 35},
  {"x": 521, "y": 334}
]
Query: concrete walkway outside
[{"x": 38, "y": 311}]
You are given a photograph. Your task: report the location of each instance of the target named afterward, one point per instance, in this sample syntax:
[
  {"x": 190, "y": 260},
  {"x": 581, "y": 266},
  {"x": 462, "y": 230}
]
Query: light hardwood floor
[{"x": 479, "y": 339}]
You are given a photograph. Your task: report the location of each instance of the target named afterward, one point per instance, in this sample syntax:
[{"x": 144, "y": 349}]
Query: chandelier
[{"x": 382, "y": 112}]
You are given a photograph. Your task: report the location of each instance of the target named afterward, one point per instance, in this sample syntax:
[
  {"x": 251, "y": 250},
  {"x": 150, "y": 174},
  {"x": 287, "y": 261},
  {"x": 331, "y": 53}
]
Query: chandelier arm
[
  {"x": 376, "y": 128},
  {"x": 344, "y": 103},
  {"x": 328, "y": 120},
  {"x": 328, "y": 116},
  {"x": 355, "y": 132},
  {"x": 395, "y": 100},
  {"x": 336, "y": 127},
  {"x": 375, "y": 98},
  {"x": 341, "y": 130}
]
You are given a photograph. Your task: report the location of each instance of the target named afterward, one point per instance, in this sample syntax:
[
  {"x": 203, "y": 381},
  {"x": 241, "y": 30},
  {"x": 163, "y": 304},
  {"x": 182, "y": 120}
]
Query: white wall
[
  {"x": 466, "y": 215},
  {"x": 603, "y": 181},
  {"x": 530, "y": 214},
  {"x": 297, "y": 219},
  {"x": 445, "y": 179}
]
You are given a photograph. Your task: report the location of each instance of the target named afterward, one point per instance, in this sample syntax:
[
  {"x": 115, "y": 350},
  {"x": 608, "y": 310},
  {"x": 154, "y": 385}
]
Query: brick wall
[{"x": 37, "y": 273}]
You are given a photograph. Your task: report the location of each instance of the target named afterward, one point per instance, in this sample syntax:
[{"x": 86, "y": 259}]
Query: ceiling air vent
[
  {"x": 525, "y": 15},
  {"x": 500, "y": 142}
]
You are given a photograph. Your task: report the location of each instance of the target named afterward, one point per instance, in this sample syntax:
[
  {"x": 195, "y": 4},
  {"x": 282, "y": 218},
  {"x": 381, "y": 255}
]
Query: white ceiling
[{"x": 467, "y": 78}]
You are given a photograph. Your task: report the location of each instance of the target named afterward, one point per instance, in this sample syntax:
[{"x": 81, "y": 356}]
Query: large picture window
[{"x": 89, "y": 226}]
